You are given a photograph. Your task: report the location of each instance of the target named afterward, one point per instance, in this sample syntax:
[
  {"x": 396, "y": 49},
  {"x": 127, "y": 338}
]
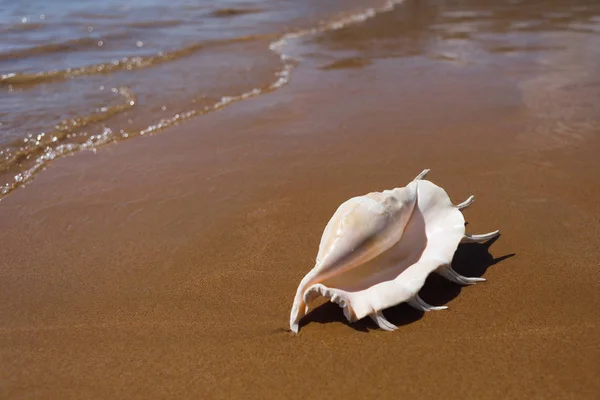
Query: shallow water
[
  {"x": 545, "y": 53},
  {"x": 76, "y": 75}
]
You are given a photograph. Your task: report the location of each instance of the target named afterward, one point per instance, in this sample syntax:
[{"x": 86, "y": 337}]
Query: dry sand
[{"x": 165, "y": 267}]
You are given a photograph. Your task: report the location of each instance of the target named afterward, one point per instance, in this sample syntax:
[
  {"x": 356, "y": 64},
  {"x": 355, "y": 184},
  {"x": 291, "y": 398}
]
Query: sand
[{"x": 165, "y": 267}]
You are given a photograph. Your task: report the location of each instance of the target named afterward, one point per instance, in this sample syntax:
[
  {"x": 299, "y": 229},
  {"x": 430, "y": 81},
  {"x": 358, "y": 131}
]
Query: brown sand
[{"x": 165, "y": 267}]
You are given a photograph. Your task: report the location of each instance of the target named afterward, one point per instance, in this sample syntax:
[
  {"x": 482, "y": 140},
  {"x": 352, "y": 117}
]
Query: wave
[
  {"x": 156, "y": 24},
  {"x": 94, "y": 15},
  {"x": 232, "y": 12},
  {"x": 49, "y": 48},
  {"x": 28, "y": 26},
  {"x": 35, "y": 144},
  {"x": 124, "y": 64},
  {"x": 283, "y": 76}
]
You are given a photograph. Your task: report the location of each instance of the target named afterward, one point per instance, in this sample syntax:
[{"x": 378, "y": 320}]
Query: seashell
[{"x": 378, "y": 249}]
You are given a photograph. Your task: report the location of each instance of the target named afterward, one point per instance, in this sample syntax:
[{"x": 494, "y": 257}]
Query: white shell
[{"x": 378, "y": 249}]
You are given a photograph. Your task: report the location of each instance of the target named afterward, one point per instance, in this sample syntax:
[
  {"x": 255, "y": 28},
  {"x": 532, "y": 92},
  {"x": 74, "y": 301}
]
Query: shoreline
[{"x": 51, "y": 152}]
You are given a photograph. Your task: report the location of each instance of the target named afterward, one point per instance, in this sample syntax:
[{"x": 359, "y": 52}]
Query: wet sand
[{"x": 165, "y": 267}]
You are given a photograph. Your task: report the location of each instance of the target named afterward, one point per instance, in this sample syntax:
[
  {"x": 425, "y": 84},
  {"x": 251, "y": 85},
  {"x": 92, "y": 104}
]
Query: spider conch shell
[{"x": 378, "y": 249}]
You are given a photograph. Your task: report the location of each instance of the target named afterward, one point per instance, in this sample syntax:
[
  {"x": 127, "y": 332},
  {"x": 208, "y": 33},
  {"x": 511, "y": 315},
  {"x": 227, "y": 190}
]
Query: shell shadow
[{"x": 471, "y": 259}]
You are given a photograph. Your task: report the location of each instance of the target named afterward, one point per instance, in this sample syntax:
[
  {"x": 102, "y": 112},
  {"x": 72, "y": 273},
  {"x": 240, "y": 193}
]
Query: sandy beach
[{"x": 165, "y": 266}]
